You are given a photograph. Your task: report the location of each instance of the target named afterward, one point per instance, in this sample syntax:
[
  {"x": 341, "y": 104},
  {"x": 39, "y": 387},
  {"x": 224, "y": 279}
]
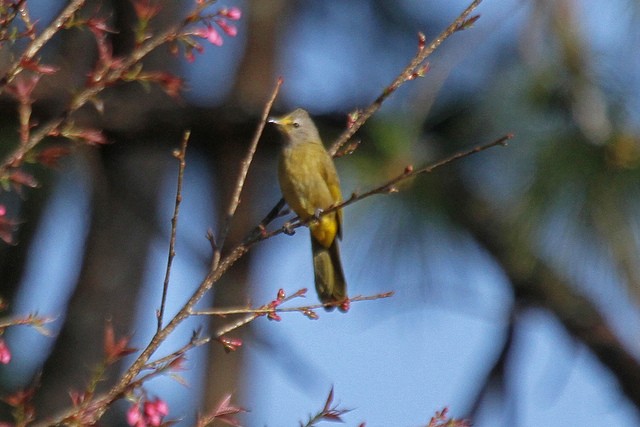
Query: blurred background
[{"x": 516, "y": 271}]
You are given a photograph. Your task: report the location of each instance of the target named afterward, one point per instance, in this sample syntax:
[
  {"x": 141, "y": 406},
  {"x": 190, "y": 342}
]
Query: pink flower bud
[
  {"x": 5, "y": 353},
  {"x": 214, "y": 37},
  {"x": 134, "y": 416},
  {"x": 232, "y": 13},
  {"x": 274, "y": 316},
  {"x": 229, "y": 29},
  {"x": 161, "y": 407},
  {"x": 230, "y": 344}
]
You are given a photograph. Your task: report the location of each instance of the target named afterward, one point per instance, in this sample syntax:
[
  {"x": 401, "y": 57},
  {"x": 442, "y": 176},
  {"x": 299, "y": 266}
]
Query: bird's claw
[
  {"x": 317, "y": 213},
  {"x": 288, "y": 229}
]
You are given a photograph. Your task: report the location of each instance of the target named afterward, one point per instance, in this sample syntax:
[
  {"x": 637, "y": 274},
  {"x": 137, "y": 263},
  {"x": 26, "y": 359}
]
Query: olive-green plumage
[{"x": 310, "y": 184}]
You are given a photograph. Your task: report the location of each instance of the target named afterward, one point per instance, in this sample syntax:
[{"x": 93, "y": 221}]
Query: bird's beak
[
  {"x": 283, "y": 124},
  {"x": 280, "y": 121}
]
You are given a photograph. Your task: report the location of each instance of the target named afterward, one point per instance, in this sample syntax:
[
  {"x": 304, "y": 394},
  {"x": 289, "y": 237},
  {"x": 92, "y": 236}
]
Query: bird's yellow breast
[{"x": 309, "y": 183}]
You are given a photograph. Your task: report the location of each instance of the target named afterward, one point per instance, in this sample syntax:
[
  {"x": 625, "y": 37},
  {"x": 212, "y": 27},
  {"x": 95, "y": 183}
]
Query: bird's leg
[
  {"x": 317, "y": 213},
  {"x": 288, "y": 229}
]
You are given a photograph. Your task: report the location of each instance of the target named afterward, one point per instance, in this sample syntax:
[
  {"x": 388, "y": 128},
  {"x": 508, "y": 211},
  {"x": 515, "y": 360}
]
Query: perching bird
[{"x": 310, "y": 184}]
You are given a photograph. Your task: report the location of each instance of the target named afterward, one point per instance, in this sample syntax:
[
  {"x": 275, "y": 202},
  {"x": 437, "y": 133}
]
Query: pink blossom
[
  {"x": 5, "y": 353},
  {"x": 154, "y": 411},
  {"x": 274, "y": 316},
  {"x": 161, "y": 407},
  {"x": 229, "y": 29},
  {"x": 214, "y": 37},
  {"x": 134, "y": 416},
  {"x": 232, "y": 13},
  {"x": 230, "y": 344},
  {"x": 210, "y": 34}
]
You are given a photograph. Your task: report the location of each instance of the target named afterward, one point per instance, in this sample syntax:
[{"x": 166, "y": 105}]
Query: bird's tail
[{"x": 329, "y": 277}]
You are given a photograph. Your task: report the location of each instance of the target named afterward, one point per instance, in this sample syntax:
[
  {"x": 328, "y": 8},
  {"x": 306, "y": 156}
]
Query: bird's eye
[{"x": 296, "y": 124}]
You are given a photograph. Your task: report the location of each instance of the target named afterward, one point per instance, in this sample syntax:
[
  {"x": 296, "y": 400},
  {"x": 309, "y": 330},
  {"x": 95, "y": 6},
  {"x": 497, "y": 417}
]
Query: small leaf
[{"x": 114, "y": 349}]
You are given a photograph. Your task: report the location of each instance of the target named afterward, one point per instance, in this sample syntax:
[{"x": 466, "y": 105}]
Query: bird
[{"x": 310, "y": 185}]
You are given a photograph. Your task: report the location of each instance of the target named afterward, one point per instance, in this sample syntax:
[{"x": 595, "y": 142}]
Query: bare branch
[
  {"x": 88, "y": 93},
  {"x": 414, "y": 69},
  {"x": 271, "y": 309},
  {"x": 388, "y": 187},
  {"x": 37, "y": 44},
  {"x": 180, "y": 155},
  {"x": 244, "y": 169},
  {"x": 411, "y": 71},
  {"x": 261, "y": 311}
]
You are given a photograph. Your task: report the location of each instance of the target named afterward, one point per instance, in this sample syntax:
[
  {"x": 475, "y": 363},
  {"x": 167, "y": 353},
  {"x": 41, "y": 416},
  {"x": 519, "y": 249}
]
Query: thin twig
[
  {"x": 407, "y": 74},
  {"x": 158, "y": 366},
  {"x": 409, "y": 172},
  {"x": 87, "y": 93},
  {"x": 36, "y": 45},
  {"x": 385, "y": 188},
  {"x": 26, "y": 19},
  {"x": 266, "y": 310},
  {"x": 254, "y": 313},
  {"x": 212, "y": 277},
  {"x": 244, "y": 170},
  {"x": 224, "y": 330},
  {"x": 195, "y": 341},
  {"x": 261, "y": 228},
  {"x": 181, "y": 155},
  {"x": 30, "y": 320}
]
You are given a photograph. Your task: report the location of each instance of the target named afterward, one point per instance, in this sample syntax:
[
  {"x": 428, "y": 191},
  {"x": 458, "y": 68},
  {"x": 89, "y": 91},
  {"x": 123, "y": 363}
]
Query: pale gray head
[{"x": 297, "y": 126}]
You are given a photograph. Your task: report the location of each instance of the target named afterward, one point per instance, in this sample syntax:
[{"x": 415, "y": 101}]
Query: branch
[
  {"x": 385, "y": 188},
  {"x": 262, "y": 310},
  {"x": 37, "y": 44},
  {"x": 196, "y": 341},
  {"x": 32, "y": 320},
  {"x": 171, "y": 362},
  {"x": 182, "y": 164},
  {"x": 244, "y": 169},
  {"x": 108, "y": 77},
  {"x": 216, "y": 271},
  {"x": 271, "y": 311},
  {"x": 411, "y": 71}
]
